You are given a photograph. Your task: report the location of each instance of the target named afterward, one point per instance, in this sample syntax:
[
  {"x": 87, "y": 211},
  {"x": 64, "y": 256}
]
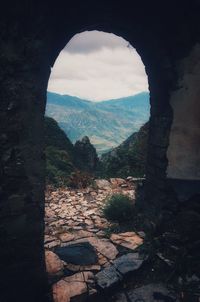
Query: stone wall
[{"x": 23, "y": 92}]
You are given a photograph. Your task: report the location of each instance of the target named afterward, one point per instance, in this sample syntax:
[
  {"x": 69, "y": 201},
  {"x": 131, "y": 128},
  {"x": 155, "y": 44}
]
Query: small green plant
[{"x": 118, "y": 208}]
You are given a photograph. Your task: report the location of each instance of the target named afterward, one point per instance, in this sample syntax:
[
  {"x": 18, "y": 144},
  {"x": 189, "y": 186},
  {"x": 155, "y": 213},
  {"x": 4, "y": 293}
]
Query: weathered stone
[
  {"x": 74, "y": 286},
  {"x": 104, "y": 247},
  {"x": 102, "y": 260},
  {"x": 128, "y": 263},
  {"x": 53, "y": 264},
  {"x": 52, "y": 244},
  {"x": 82, "y": 253},
  {"x": 82, "y": 234},
  {"x": 116, "y": 182},
  {"x": 61, "y": 292},
  {"x": 103, "y": 184},
  {"x": 65, "y": 237},
  {"x": 77, "y": 268},
  {"x": 107, "y": 278},
  {"x": 129, "y": 240}
]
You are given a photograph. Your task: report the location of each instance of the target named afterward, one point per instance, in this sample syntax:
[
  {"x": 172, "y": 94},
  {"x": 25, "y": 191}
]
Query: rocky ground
[{"x": 87, "y": 262}]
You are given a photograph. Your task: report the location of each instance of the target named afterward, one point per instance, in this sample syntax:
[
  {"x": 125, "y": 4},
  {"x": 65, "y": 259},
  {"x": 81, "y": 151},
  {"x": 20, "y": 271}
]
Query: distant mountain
[
  {"x": 107, "y": 123},
  {"x": 129, "y": 158}
]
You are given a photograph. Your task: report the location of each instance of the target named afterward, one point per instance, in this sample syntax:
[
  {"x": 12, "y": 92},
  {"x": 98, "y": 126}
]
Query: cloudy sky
[{"x": 98, "y": 66}]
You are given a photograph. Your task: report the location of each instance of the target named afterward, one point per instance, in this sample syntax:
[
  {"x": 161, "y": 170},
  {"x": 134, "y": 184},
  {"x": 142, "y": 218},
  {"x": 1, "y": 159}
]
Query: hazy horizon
[{"x": 96, "y": 101}]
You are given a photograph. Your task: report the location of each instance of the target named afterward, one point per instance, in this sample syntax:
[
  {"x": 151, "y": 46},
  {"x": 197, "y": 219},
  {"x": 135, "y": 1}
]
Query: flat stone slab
[
  {"x": 129, "y": 240},
  {"x": 128, "y": 263},
  {"x": 107, "y": 278},
  {"x": 82, "y": 253},
  {"x": 151, "y": 293},
  {"x": 75, "y": 286},
  {"x": 103, "y": 246}
]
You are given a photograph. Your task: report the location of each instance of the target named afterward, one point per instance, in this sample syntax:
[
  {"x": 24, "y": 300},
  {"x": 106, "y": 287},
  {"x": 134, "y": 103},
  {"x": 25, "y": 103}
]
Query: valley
[{"x": 106, "y": 123}]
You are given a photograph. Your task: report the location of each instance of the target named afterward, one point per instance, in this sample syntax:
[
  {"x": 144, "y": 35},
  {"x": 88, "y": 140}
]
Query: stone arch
[{"x": 32, "y": 37}]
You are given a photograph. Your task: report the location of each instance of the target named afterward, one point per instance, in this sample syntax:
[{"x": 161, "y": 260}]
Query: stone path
[{"x": 80, "y": 259}]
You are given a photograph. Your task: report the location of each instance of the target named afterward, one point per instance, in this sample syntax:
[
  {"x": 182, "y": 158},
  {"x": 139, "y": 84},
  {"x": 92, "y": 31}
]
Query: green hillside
[
  {"x": 67, "y": 164},
  {"x": 59, "y": 154},
  {"x": 106, "y": 123},
  {"x": 129, "y": 158}
]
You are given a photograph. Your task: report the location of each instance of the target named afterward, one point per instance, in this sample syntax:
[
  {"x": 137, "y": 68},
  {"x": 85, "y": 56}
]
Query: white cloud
[{"x": 98, "y": 66}]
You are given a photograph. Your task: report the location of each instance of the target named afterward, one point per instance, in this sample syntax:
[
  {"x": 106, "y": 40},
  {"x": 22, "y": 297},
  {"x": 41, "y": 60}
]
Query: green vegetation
[
  {"x": 66, "y": 164},
  {"x": 127, "y": 159},
  {"x": 58, "y": 166},
  {"x": 59, "y": 154},
  {"x": 118, "y": 208},
  {"x": 56, "y": 137},
  {"x": 75, "y": 165}
]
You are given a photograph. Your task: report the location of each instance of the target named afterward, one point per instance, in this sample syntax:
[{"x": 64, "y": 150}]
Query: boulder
[{"x": 103, "y": 184}]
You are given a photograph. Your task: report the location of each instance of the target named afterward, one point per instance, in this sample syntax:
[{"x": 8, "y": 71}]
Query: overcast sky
[{"x": 98, "y": 66}]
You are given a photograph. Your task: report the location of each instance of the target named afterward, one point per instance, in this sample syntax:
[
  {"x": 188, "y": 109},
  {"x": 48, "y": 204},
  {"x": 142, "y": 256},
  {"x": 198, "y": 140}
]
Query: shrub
[
  {"x": 58, "y": 166},
  {"x": 118, "y": 208}
]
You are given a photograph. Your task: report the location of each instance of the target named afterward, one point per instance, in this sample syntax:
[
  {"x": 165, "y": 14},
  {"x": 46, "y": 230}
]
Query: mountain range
[{"x": 107, "y": 123}]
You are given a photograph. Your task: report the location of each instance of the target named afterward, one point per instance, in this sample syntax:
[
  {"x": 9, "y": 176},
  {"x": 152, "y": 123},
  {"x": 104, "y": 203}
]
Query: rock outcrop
[
  {"x": 86, "y": 155},
  {"x": 67, "y": 164}
]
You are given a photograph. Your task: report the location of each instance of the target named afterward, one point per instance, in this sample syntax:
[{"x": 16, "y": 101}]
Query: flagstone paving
[{"x": 74, "y": 223}]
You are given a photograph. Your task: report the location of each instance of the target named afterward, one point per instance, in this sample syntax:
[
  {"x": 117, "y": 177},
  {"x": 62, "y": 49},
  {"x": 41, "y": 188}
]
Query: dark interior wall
[
  {"x": 32, "y": 35},
  {"x": 23, "y": 79},
  {"x": 183, "y": 152}
]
